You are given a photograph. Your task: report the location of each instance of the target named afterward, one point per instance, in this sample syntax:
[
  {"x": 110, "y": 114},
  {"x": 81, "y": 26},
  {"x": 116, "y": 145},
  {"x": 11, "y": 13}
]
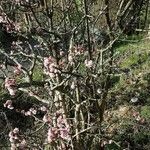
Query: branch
[{"x": 30, "y": 93}]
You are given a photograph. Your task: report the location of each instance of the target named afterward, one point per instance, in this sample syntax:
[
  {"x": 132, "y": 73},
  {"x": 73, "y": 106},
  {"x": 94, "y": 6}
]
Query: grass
[
  {"x": 38, "y": 74},
  {"x": 145, "y": 112},
  {"x": 135, "y": 57}
]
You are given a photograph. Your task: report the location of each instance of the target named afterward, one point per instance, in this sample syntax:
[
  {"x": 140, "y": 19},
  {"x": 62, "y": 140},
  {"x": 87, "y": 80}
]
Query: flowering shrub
[{"x": 56, "y": 41}]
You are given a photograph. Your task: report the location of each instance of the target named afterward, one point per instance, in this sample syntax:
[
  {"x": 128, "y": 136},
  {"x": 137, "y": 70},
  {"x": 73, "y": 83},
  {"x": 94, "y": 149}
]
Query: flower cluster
[
  {"x": 78, "y": 50},
  {"x": 52, "y": 134},
  {"x": 63, "y": 127},
  {"x": 50, "y": 67},
  {"x": 10, "y": 85},
  {"x": 30, "y": 112},
  {"x": 75, "y": 51},
  {"x": 8, "y": 104},
  {"x": 17, "y": 142},
  {"x": 59, "y": 128},
  {"x": 9, "y": 25}
]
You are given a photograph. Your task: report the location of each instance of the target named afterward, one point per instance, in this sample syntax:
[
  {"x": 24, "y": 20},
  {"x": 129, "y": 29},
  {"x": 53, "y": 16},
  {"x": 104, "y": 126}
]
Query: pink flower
[
  {"x": 61, "y": 122},
  {"x": 50, "y": 67},
  {"x": 10, "y": 107},
  {"x": 16, "y": 130},
  {"x": 43, "y": 108},
  {"x": 10, "y": 82},
  {"x": 135, "y": 114},
  {"x": 33, "y": 111},
  {"x": 11, "y": 139},
  {"x": 17, "y": 142},
  {"x": 52, "y": 134},
  {"x": 17, "y": 26},
  {"x": 12, "y": 91},
  {"x": 47, "y": 118},
  {"x": 64, "y": 133},
  {"x": 2, "y": 66},
  {"x": 11, "y": 134},
  {"x": 13, "y": 146},
  {"x": 48, "y": 61},
  {"x": 10, "y": 85},
  {"x": 23, "y": 144},
  {"x": 8, "y": 104},
  {"x": 23, "y": 111},
  {"x": 28, "y": 113}
]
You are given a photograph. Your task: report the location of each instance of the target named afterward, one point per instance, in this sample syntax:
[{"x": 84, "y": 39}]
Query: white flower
[
  {"x": 134, "y": 99},
  {"x": 99, "y": 91},
  {"x": 138, "y": 118},
  {"x": 88, "y": 63}
]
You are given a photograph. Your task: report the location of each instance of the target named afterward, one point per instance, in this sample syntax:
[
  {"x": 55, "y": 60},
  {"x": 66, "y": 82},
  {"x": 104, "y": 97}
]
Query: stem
[
  {"x": 87, "y": 28},
  {"x": 77, "y": 111}
]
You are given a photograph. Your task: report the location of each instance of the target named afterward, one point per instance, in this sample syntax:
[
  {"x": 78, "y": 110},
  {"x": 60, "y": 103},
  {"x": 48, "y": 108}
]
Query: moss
[
  {"x": 145, "y": 112},
  {"x": 38, "y": 74}
]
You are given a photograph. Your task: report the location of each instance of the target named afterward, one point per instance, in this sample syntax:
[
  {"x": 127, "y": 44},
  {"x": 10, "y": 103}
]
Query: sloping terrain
[{"x": 127, "y": 119}]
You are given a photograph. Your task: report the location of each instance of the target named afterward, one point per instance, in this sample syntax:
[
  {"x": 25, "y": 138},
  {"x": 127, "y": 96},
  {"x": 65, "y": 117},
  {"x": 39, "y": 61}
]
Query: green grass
[
  {"x": 38, "y": 74},
  {"x": 145, "y": 112},
  {"x": 134, "y": 56}
]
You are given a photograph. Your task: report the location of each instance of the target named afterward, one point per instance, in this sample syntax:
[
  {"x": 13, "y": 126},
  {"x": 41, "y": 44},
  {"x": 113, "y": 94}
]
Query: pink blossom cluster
[
  {"x": 17, "y": 142},
  {"x": 78, "y": 49},
  {"x": 63, "y": 127},
  {"x": 59, "y": 128},
  {"x": 10, "y": 85},
  {"x": 8, "y": 104},
  {"x": 50, "y": 67},
  {"x": 52, "y": 134},
  {"x": 8, "y": 24},
  {"x": 30, "y": 112}
]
